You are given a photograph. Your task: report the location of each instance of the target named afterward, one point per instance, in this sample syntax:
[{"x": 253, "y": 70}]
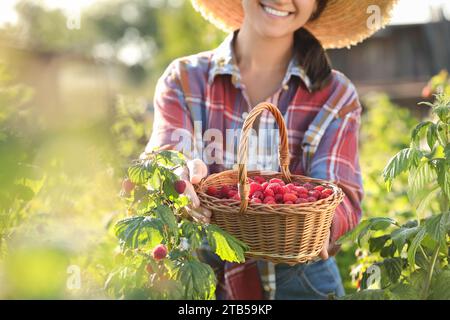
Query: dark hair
[{"x": 311, "y": 54}]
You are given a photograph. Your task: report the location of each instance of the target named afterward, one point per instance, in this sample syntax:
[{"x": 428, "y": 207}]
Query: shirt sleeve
[
  {"x": 172, "y": 122},
  {"x": 337, "y": 160}
]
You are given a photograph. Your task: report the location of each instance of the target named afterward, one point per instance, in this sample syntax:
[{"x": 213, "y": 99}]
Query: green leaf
[
  {"x": 436, "y": 226},
  {"x": 197, "y": 278},
  {"x": 415, "y": 135},
  {"x": 392, "y": 268},
  {"x": 352, "y": 235},
  {"x": 138, "y": 231},
  {"x": 443, "y": 170},
  {"x": 441, "y": 134},
  {"x": 192, "y": 232},
  {"x": 226, "y": 246},
  {"x": 401, "y": 162},
  {"x": 418, "y": 179},
  {"x": 424, "y": 204},
  {"x": 403, "y": 234},
  {"x": 376, "y": 244},
  {"x": 440, "y": 289},
  {"x": 388, "y": 251},
  {"x": 431, "y": 136},
  {"x": 167, "y": 217},
  {"x": 155, "y": 179},
  {"x": 415, "y": 243},
  {"x": 138, "y": 174},
  {"x": 403, "y": 291},
  {"x": 367, "y": 295},
  {"x": 447, "y": 152}
]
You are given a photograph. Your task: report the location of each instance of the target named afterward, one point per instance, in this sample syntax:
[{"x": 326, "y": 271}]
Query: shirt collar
[{"x": 223, "y": 62}]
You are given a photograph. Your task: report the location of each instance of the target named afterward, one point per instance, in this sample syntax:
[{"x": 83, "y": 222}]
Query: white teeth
[{"x": 276, "y": 12}]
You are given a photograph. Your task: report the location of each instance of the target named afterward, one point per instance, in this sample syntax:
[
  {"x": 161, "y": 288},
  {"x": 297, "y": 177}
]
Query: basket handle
[{"x": 283, "y": 150}]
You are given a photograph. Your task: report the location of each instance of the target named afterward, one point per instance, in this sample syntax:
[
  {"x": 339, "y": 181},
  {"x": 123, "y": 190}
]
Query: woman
[{"x": 274, "y": 53}]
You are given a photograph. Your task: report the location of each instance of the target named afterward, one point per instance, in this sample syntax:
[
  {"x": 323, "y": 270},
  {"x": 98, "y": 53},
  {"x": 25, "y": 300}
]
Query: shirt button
[
  {"x": 221, "y": 62},
  {"x": 234, "y": 79},
  {"x": 285, "y": 87}
]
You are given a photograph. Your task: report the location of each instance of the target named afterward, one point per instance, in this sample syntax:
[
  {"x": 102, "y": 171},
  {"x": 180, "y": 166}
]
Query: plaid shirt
[{"x": 204, "y": 91}]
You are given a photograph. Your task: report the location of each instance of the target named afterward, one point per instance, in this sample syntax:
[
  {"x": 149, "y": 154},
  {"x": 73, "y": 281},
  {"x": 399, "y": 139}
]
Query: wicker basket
[{"x": 280, "y": 233}]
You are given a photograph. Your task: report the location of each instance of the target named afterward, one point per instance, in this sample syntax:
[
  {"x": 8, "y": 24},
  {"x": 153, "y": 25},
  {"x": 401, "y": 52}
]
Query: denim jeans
[{"x": 314, "y": 281}]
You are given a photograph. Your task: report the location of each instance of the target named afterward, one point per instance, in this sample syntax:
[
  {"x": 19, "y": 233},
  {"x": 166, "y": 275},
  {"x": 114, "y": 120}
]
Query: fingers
[
  {"x": 192, "y": 195},
  {"x": 197, "y": 170},
  {"x": 200, "y": 214},
  {"x": 324, "y": 253}
]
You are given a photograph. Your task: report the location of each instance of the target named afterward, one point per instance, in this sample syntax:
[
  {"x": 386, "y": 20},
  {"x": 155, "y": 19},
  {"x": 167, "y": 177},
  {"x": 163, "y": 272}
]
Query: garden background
[{"x": 76, "y": 85}]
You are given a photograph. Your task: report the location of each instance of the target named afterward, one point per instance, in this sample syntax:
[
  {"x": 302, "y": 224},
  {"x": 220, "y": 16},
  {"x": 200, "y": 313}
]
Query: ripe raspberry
[
  {"x": 308, "y": 186},
  {"x": 279, "y": 198},
  {"x": 275, "y": 187},
  {"x": 278, "y": 181},
  {"x": 127, "y": 186},
  {"x": 231, "y": 194},
  {"x": 328, "y": 191},
  {"x": 212, "y": 191},
  {"x": 284, "y": 189},
  {"x": 224, "y": 191},
  {"x": 180, "y": 186},
  {"x": 159, "y": 252},
  {"x": 314, "y": 193},
  {"x": 311, "y": 199},
  {"x": 288, "y": 202},
  {"x": 269, "y": 192},
  {"x": 301, "y": 190},
  {"x": 301, "y": 200},
  {"x": 237, "y": 197},
  {"x": 291, "y": 186},
  {"x": 269, "y": 199},
  {"x": 319, "y": 188},
  {"x": 255, "y": 200},
  {"x": 259, "y": 195},
  {"x": 264, "y": 185},
  {"x": 289, "y": 197},
  {"x": 254, "y": 186},
  {"x": 259, "y": 179},
  {"x": 324, "y": 195}
]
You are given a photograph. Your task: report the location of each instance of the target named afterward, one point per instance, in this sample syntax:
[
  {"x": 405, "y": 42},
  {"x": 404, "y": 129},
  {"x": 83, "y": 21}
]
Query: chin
[{"x": 273, "y": 32}]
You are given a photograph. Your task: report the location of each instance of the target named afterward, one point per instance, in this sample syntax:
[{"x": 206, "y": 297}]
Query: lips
[{"x": 275, "y": 12}]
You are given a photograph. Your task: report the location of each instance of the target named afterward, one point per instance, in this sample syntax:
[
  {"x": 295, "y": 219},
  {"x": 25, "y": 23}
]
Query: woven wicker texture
[
  {"x": 343, "y": 22},
  {"x": 278, "y": 233}
]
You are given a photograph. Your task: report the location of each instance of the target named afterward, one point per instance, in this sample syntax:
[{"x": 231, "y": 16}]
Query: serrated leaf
[
  {"x": 441, "y": 135},
  {"x": 138, "y": 231},
  {"x": 138, "y": 174},
  {"x": 168, "y": 218},
  {"x": 226, "y": 246},
  {"x": 436, "y": 226},
  {"x": 197, "y": 278},
  {"x": 424, "y": 204},
  {"x": 352, "y": 235},
  {"x": 401, "y": 162},
  {"x": 440, "y": 289},
  {"x": 415, "y": 243},
  {"x": 401, "y": 235},
  {"x": 418, "y": 178},
  {"x": 443, "y": 175},
  {"x": 388, "y": 251},
  {"x": 416, "y": 133},
  {"x": 192, "y": 232},
  {"x": 431, "y": 136},
  {"x": 392, "y": 268},
  {"x": 376, "y": 244},
  {"x": 367, "y": 295},
  {"x": 403, "y": 291}
]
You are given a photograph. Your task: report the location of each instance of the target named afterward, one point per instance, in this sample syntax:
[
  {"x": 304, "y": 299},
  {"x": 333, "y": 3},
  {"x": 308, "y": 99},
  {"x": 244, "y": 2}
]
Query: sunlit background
[{"x": 76, "y": 86}]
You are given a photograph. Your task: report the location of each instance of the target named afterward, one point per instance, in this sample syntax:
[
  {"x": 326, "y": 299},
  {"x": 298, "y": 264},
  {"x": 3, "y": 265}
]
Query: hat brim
[{"x": 343, "y": 23}]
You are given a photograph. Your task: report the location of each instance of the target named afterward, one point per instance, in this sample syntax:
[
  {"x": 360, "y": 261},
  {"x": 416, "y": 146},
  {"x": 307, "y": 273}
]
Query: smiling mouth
[{"x": 275, "y": 12}]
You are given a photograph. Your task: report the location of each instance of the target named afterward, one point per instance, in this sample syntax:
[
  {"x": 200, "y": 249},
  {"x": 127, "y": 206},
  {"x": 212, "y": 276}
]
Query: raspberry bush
[
  {"x": 413, "y": 258},
  {"x": 158, "y": 240}
]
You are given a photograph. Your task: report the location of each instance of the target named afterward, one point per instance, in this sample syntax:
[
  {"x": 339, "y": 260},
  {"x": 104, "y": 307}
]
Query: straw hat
[{"x": 343, "y": 22}]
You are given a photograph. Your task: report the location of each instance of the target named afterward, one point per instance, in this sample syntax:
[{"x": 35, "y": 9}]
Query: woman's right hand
[{"x": 192, "y": 174}]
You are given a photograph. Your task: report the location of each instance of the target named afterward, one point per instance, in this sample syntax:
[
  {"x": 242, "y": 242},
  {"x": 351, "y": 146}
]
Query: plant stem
[{"x": 430, "y": 273}]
